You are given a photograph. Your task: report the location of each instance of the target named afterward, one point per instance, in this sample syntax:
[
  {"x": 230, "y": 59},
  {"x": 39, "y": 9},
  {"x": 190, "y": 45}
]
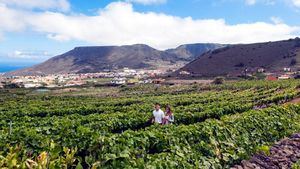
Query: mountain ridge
[
  {"x": 193, "y": 51},
  {"x": 89, "y": 59},
  {"x": 233, "y": 60}
]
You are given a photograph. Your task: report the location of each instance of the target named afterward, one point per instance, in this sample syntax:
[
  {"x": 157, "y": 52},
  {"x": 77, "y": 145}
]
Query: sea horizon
[{"x": 7, "y": 67}]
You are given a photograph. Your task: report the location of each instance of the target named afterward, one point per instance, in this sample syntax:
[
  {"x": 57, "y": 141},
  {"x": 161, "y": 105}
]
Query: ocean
[{"x": 10, "y": 67}]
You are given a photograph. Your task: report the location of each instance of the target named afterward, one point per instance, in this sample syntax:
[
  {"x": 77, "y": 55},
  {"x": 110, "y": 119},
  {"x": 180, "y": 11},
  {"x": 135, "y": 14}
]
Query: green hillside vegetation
[{"x": 216, "y": 126}]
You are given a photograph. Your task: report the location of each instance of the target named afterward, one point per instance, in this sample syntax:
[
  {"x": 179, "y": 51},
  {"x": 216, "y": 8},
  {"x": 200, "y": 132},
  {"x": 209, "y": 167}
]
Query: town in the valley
[
  {"x": 127, "y": 76},
  {"x": 107, "y": 77}
]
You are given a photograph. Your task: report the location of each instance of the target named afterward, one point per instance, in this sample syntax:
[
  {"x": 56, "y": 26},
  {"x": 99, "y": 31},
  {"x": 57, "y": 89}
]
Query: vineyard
[{"x": 216, "y": 126}]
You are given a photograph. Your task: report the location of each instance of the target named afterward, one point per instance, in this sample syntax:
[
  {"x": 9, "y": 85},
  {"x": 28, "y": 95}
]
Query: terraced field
[{"x": 216, "y": 126}]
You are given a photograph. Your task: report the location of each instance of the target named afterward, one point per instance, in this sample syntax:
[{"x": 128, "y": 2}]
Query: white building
[
  {"x": 287, "y": 69},
  {"x": 130, "y": 71},
  {"x": 284, "y": 77},
  {"x": 184, "y": 73},
  {"x": 261, "y": 70},
  {"x": 32, "y": 85},
  {"x": 146, "y": 81},
  {"x": 119, "y": 81}
]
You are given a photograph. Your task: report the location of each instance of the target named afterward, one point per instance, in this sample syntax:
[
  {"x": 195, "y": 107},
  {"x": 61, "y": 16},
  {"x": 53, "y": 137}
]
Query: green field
[{"x": 216, "y": 126}]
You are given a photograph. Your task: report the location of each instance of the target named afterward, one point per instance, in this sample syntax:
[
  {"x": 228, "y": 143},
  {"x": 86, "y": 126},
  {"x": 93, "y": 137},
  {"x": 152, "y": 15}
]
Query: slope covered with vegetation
[{"x": 216, "y": 126}]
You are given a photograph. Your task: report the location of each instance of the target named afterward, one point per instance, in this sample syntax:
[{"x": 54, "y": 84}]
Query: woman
[{"x": 169, "y": 116}]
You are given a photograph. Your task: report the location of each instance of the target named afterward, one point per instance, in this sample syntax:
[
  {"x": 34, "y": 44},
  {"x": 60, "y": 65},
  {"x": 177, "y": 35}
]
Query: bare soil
[{"x": 294, "y": 101}]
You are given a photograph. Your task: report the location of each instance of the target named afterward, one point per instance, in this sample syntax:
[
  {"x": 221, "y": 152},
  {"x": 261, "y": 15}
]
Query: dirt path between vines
[
  {"x": 263, "y": 106},
  {"x": 294, "y": 101},
  {"x": 282, "y": 156}
]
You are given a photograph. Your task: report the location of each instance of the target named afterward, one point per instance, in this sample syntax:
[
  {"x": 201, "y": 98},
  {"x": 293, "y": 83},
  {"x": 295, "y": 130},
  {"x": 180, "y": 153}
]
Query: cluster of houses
[
  {"x": 131, "y": 81},
  {"x": 283, "y": 74},
  {"x": 274, "y": 77},
  {"x": 118, "y": 77},
  {"x": 129, "y": 76},
  {"x": 286, "y": 73},
  {"x": 49, "y": 81}
]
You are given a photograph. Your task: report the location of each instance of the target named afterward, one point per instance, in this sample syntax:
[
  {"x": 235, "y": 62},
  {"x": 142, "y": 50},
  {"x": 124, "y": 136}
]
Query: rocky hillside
[
  {"x": 234, "y": 59},
  {"x": 95, "y": 59},
  {"x": 190, "y": 52},
  {"x": 99, "y": 58}
]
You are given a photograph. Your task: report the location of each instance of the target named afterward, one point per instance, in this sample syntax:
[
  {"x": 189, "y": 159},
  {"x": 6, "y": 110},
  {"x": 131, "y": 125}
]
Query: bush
[
  {"x": 297, "y": 77},
  {"x": 239, "y": 65},
  {"x": 218, "y": 80},
  {"x": 260, "y": 76},
  {"x": 293, "y": 62}
]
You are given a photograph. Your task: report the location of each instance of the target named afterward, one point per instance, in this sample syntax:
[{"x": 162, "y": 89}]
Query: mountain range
[
  {"x": 98, "y": 58},
  {"x": 190, "y": 52},
  {"x": 196, "y": 60}
]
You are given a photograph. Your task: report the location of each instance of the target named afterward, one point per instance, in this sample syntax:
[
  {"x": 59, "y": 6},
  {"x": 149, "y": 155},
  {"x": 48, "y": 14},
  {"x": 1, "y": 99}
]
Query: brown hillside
[
  {"x": 234, "y": 59},
  {"x": 98, "y": 58}
]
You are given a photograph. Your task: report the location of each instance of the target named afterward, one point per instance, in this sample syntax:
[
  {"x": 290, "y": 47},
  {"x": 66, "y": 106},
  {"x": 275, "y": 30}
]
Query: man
[{"x": 158, "y": 114}]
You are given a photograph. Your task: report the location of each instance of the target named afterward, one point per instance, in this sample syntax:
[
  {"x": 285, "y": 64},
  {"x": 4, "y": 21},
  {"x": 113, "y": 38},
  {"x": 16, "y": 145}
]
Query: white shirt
[{"x": 158, "y": 116}]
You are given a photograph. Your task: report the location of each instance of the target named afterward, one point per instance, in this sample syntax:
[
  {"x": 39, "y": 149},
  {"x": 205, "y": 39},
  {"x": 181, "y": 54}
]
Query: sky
[{"x": 32, "y": 31}]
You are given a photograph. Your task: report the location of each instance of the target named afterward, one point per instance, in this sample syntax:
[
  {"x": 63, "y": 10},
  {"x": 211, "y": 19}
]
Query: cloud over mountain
[{"x": 120, "y": 24}]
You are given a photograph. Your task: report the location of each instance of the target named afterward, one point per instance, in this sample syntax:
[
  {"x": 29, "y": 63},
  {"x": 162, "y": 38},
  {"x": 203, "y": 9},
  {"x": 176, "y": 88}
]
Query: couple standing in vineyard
[{"x": 160, "y": 117}]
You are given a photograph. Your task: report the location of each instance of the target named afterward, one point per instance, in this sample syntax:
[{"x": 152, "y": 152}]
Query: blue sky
[{"x": 32, "y": 31}]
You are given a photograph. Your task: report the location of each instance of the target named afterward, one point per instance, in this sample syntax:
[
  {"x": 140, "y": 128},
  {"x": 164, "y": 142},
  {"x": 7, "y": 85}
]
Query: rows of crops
[{"x": 215, "y": 126}]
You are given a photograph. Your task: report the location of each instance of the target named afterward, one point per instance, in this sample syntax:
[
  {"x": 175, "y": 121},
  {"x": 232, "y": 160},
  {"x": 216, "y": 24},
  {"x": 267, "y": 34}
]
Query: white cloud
[
  {"x": 148, "y": 2},
  {"x": 61, "y": 5},
  {"x": 277, "y": 20},
  {"x": 119, "y": 24},
  {"x": 29, "y": 54},
  {"x": 296, "y": 3},
  {"x": 10, "y": 19},
  {"x": 265, "y": 2},
  {"x": 250, "y": 2}
]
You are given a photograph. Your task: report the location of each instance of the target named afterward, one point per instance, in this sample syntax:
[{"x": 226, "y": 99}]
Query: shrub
[
  {"x": 260, "y": 76},
  {"x": 239, "y": 65},
  {"x": 218, "y": 80},
  {"x": 293, "y": 62}
]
